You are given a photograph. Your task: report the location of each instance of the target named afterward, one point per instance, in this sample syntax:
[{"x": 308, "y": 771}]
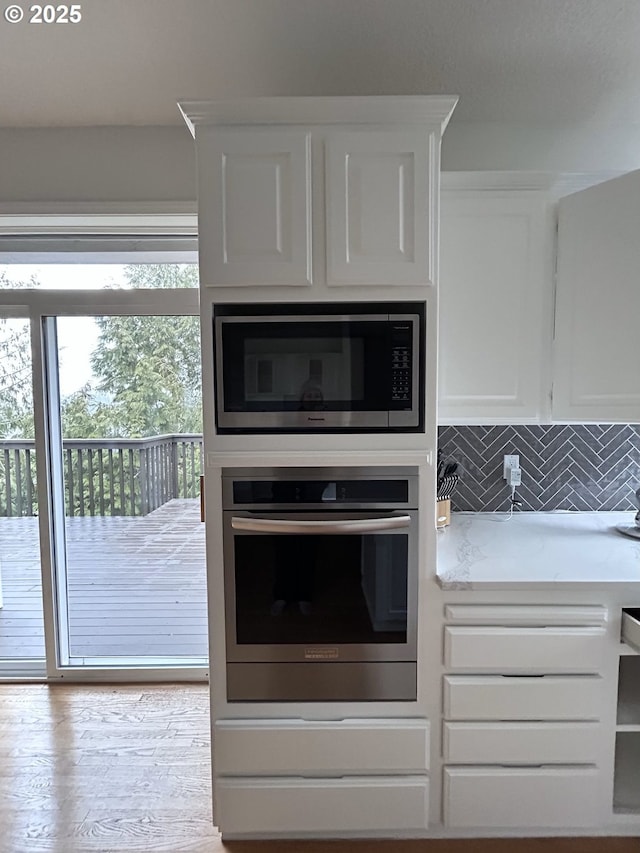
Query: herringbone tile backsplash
[{"x": 578, "y": 467}]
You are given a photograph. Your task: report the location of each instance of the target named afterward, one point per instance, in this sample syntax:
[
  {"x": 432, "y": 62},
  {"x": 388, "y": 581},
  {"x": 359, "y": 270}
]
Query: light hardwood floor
[
  {"x": 105, "y": 768},
  {"x": 115, "y": 768}
]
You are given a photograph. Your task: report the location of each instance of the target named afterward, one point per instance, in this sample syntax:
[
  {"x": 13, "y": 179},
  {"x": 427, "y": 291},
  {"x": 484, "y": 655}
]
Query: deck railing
[{"x": 105, "y": 476}]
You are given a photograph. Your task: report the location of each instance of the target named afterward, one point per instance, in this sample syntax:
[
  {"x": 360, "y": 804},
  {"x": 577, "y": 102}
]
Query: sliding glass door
[
  {"x": 102, "y": 555},
  {"x": 132, "y": 585},
  {"x": 124, "y": 423}
]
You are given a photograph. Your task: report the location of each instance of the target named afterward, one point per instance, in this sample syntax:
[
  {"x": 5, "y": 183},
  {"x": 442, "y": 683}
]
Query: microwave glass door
[{"x": 307, "y": 365}]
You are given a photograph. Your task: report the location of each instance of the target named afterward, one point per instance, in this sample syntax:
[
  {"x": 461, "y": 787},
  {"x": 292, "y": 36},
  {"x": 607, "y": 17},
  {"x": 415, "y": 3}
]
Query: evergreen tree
[
  {"x": 16, "y": 395},
  {"x": 147, "y": 370}
]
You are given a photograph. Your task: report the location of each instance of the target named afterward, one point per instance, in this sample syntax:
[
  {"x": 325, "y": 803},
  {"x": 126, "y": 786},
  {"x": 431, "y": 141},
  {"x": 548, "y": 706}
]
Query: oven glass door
[
  {"x": 305, "y": 585},
  {"x": 307, "y": 365}
]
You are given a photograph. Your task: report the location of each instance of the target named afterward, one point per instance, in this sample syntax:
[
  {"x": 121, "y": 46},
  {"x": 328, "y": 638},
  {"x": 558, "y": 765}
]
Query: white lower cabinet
[
  {"x": 295, "y": 776},
  {"x": 542, "y": 697},
  {"x": 548, "y": 649},
  {"x": 365, "y": 805},
  {"x": 522, "y": 734},
  {"x": 626, "y": 789},
  {"x": 512, "y": 797},
  {"x": 520, "y": 743},
  {"x": 301, "y": 747}
]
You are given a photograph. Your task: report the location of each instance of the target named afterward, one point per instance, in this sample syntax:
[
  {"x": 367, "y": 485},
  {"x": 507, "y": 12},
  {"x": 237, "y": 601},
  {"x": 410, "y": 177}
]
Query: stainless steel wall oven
[
  {"x": 321, "y": 577},
  {"x": 320, "y": 367}
]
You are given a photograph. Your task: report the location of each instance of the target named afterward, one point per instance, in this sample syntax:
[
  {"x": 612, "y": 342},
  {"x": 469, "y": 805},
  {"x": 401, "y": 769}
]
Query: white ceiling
[{"x": 519, "y": 61}]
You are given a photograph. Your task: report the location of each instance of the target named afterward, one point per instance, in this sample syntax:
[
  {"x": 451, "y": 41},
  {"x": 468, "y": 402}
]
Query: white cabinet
[
  {"x": 530, "y": 650},
  {"x": 508, "y": 354},
  {"x": 626, "y": 792},
  {"x": 495, "y": 306},
  {"x": 363, "y": 806},
  {"x": 288, "y": 776},
  {"x": 513, "y": 797},
  {"x": 311, "y": 748},
  {"x": 254, "y": 213},
  {"x": 516, "y": 709},
  {"x": 522, "y": 697},
  {"x": 520, "y": 743},
  {"x": 379, "y": 207},
  {"x": 327, "y": 192},
  {"x": 596, "y": 375}
]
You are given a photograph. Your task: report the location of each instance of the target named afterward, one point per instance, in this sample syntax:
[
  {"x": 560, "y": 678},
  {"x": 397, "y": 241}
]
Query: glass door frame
[
  {"x": 24, "y": 669},
  {"x": 41, "y": 306}
]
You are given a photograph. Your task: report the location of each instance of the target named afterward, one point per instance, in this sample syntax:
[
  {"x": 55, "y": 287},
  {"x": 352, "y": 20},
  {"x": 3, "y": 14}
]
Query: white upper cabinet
[
  {"x": 320, "y": 192},
  {"x": 379, "y": 207},
  {"x": 597, "y": 335},
  {"x": 255, "y": 207},
  {"x": 495, "y": 306}
]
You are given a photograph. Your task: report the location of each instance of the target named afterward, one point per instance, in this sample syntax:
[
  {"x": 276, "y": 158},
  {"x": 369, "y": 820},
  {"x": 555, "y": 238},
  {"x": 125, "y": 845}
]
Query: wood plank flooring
[
  {"x": 115, "y": 768},
  {"x": 136, "y": 586},
  {"x": 105, "y": 768}
]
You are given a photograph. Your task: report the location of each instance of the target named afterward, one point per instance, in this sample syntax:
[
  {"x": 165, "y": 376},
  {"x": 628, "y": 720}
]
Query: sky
[
  {"x": 68, "y": 276},
  {"x": 77, "y": 336}
]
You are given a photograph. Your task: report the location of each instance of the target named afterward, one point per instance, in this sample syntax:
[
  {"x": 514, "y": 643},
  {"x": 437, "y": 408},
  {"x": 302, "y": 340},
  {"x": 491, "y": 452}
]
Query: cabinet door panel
[
  {"x": 521, "y": 743},
  {"x": 572, "y": 650},
  {"x": 254, "y": 207},
  {"x": 494, "y": 308},
  {"x": 331, "y": 747},
  {"x": 503, "y": 797},
  {"x": 287, "y": 806},
  {"x": 379, "y": 220},
  {"x": 526, "y": 614},
  {"x": 596, "y": 376},
  {"x": 550, "y": 697}
]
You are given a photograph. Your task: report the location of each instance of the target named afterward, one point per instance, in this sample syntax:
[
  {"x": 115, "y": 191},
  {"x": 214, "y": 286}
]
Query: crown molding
[
  {"x": 373, "y": 109},
  {"x": 556, "y": 184}
]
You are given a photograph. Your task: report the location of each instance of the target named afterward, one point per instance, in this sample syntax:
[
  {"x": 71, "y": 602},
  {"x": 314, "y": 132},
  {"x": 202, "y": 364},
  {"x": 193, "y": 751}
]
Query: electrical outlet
[{"x": 510, "y": 461}]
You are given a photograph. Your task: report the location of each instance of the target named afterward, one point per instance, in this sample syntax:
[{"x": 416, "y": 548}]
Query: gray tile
[{"x": 581, "y": 466}]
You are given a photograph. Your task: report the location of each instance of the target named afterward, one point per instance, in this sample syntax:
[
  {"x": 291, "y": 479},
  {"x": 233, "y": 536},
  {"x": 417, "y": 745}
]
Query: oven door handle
[{"x": 351, "y": 525}]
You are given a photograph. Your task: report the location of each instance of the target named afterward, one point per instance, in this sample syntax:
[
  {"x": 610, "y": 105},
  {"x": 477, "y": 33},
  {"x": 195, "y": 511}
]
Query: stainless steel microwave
[{"x": 354, "y": 367}]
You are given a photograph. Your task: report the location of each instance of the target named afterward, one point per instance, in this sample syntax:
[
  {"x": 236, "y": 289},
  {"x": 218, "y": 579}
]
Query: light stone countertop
[{"x": 537, "y": 550}]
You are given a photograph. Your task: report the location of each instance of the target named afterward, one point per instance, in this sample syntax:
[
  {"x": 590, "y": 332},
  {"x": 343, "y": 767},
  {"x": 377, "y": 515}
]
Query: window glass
[{"x": 98, "y": 276}]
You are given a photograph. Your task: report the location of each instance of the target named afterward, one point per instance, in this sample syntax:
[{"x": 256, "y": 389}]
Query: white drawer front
[
  {"x": 525, "y": 649},
  {"x": 550, "y": 697},
  {"x": 511, "y": 797},
  {"x": 521, "y": 743},
  {"x": 289, "y": 806},
  {"x": 525, "y": 614},
  {"x": 301, "y": 748}
]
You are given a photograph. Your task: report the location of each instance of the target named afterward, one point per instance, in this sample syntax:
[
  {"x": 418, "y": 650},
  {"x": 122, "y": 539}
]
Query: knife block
[{"x": 443, "y": 513}]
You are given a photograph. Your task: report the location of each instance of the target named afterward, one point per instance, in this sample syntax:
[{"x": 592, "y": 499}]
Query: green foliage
[
  {"x": 16, "y": 399},
  {"x": 147, "y": 383},
  {"x": 147, "y": 370}
]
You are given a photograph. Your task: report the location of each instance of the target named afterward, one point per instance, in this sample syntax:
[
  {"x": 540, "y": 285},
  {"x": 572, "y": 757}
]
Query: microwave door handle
[{"x": 357, "y": 525}]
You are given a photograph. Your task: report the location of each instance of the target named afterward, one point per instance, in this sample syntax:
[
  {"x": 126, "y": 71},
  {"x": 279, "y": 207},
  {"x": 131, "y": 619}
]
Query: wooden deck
[{"x": 136, "y": 586}]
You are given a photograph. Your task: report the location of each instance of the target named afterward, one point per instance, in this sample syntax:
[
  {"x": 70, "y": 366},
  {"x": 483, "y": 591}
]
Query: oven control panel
[{"x": 290, "y": 487}]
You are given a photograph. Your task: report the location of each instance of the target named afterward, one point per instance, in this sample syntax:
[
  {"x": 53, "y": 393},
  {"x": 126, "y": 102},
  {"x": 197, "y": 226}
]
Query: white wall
[
  {"x": 97, "y": 164},
  {"x": 151, "y": 164},
  {"x": 568, "y": 148}
]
